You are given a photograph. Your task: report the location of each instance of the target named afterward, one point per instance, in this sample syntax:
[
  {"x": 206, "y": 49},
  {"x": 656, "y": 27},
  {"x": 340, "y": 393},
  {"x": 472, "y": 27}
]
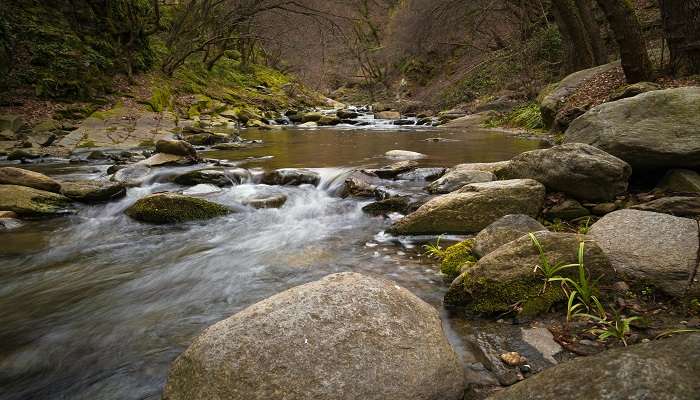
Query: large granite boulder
[
  {"x": 346, "y": 336},
  {"x": 654, "y": 130},
  {"x": 503, "y": 231},
  {"x": 32, "y": 203},
  {"x": 507, "y": 275},
  {"x": 165, "y": 208},
  {"x": 93, "y": 191},
  {"x": 579, "y": 170},
  {"x": 473, "y": 207},
  {"x": 660, "y": 370},
  {"x": 651, "y": 248},
  {"x": 23, "y": 177}
]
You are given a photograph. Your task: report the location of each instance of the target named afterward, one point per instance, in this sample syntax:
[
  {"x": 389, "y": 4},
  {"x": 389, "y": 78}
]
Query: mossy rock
[
  {"x": 506, "y": 279},
  {"x": 455, "y": 257},
  {"x": 165, "y": 208},
  {"x": 32, "y": 203}
]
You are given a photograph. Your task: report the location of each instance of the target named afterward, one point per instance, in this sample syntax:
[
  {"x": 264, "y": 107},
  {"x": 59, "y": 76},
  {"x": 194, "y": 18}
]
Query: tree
[
  {"x": 628, "y": 35},
  {"x": 681, "y": 22},
  {"x": 582, "y": 33}
]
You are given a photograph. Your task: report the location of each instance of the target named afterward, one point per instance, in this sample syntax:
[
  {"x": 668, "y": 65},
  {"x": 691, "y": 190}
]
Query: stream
[{"x": 96, "y": 306}]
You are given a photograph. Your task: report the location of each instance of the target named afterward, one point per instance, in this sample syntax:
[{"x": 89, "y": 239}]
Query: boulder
[
  {"x": 165, "y": 208},
  {"x": 404, "y": 155},
  {"x": 163, "y": 159},
  {"x": 661, "y": 370},
  {"x": 473, "y": 207},
  {"x": 658, "y": 129},
  {"x": 681, "y": 181},
  {"x": 391, "y": 115},
  {"x": 311, "y": 117},
  {"x": 28, "y": 202},
  {"x": 680, "y": 206},
  {"x": 503, "y": 231},
  {"x": 506, "y": 276},
  {"x": 579, "y": 170},
  {"x": 567, "y": 210},
  {"x": 21, "y": 154},
  {"x": 23, "y": 177},
  {"x": 360, "y": 184},
  {"x": 328, "y": 120},
  {"x": 211, "y": 176},
  {"x": 346, "y": 336},
  {"x": 393, "y": 170},
  {"x": 456, "y": 178},
  {"x": 651, "y": 248},
  {"x": 133, "y": 175},
  {"x": 176, "y": 147},
  {"x": 556, "y": 96},
  {"x": 291, "y": 177},
  {"x": 347, "y": 114},
  {"x": 93, "y": 191},
  {"x": 422, "y": 174},
  {"x": 399, "y": 204},
  {"x": 275, "y": 201}
]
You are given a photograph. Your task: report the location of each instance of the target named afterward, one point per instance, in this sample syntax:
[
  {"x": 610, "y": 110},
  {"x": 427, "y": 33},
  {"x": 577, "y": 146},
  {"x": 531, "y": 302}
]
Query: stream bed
[{"x": 96, "y": 306}]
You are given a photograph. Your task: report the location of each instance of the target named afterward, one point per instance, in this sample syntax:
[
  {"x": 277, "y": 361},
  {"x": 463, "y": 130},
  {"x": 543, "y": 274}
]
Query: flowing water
[{"x": 96, "y": 306}]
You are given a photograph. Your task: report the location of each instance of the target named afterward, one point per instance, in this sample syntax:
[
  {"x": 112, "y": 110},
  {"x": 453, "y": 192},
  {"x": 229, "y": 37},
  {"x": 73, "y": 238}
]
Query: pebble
[{"x": 513, "y": 358}]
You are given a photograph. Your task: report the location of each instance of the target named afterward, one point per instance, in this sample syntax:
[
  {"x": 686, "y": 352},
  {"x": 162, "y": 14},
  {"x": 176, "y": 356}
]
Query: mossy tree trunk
[
  {"x": 628, "y": 35},
  {"x": 681, "y": 21},
  {"x": 580, "y": 52},
  {"x": 585, "y": 10}
]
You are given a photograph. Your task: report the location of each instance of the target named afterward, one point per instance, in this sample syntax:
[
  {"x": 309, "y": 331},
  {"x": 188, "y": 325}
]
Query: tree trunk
[
  {"x": 572, "y": 28},
  {"x": 681, "y": 21},
  {"x": 585, "y": 10},
  {"x": 628, "y": 35}
]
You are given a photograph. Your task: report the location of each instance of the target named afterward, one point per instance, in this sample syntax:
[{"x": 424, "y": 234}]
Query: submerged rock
[
  {"x": 133, "y": 175},
  {"x": 473, "y": 207},
  {"x": 346, "y": 336},
  {"x": 422, "y": 174},
  {"x": 291, "y": 177},
  {"x": 503, "y": 231},
  {"x": 164, "y": 208},
  {"x": 404, "y": 155},
  {"x": 23, "y": 177},
  {"x": 579, "y": 170},
  {"x": 658, "y": 129},
  {"x": 660, "y": 370},
  {"x": 651, "y": 248},
  {"x": 93, "y": 191},
  {"x": 211, "y": 176},
  {"x": 275, "y": 201},
  {"x": 32, "y": 203}
]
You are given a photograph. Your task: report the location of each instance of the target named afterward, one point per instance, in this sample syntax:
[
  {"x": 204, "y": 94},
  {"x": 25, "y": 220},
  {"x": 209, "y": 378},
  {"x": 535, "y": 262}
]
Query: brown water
[{"x": 96, "y": 306}]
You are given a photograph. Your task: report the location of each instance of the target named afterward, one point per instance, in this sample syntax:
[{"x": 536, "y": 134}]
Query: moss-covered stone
[
  {"x": 165, "y": 208},
  {"x": 526, "y": 294},
  {"x": 455, "y": 257},
  {"x": 32, "y": 203}
]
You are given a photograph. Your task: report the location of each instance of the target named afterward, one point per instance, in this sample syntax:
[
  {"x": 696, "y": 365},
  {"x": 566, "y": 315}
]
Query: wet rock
[
  {"x": 201, "y": 190},
  {"x": 165, "y": 208},
  {"x": 346, "y": 336},
  {"x": 97, "y": 155},
  {"x": 328, "y": 120},
  {"x": 390, "y": 115},
  {"x": 404, "y": 155},
  {"x": 680, "y": 206},
  {"x": 657, "y": 249},
  {"x": 347, "y": 114},
  {"x": 663, "y": 370},
  {"x": 132, "y": 175},
  {"x": 579, "y": 170},
  {"x": 206, "y": 176},
  {"x": 231, "y": 146},
  {"x": 8, "y": 214},
  {"x": 567, "y": 210},
  {"x": 310, "y": 124},
  {"x": 23, "y": 177},
  {"x": 488, "y": 348},
  {"x": 393, "y": 170},
  {"x": 422, "y": 174},
  {"x": 207, "y": 139},
  {"x": 457, "y": 178},
  {"x": 291, "y": 177},
  {"x": 505, "y": 230},
  {"x": 506, "y": 276},
  {"x": 275, "y": 201},
  {"x": 473, "y": 207},
  {"x": 93, "y": 191},
  {"x": 21, "y": 155},
  {"x": 404, "y": 122},
  {"x": 32, "y": 203},
  {"x": 311, "y": 117},
  {"x": 176, "y": 147},
  {"x": 681, "y": 181},
  {"x": 658, "y": 129},
  {"x": 400, "y": 204},
  {"x": 360, "y": 184},
  {"x": 254, "y": 123},
  {"x": 164, "y": 159}
]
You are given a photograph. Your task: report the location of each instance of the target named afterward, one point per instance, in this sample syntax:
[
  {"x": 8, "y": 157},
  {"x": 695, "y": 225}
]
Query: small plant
[
  {"x": 618, "y": 328},
  {"x": 435, "y": 250},
  {"x": 555, "y": 226},
  {"x": 584, "y": 289},
  {"x": 550, "y": 272},
  {"x": 584, "y": 227},
  {"x": 528, "y": 117},
  {"x": 676, "y": 332}
]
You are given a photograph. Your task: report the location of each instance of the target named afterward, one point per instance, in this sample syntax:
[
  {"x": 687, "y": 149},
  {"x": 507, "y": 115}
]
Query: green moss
[
  {"x": 86, "y": 144},
  {"x": 113, "y": 112},
  {"x": 161, "y": 99},
  {"x": 455, "y": 257},
  {"x": 167, "y": 208},
  {"x": 489, "y": 297}
]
